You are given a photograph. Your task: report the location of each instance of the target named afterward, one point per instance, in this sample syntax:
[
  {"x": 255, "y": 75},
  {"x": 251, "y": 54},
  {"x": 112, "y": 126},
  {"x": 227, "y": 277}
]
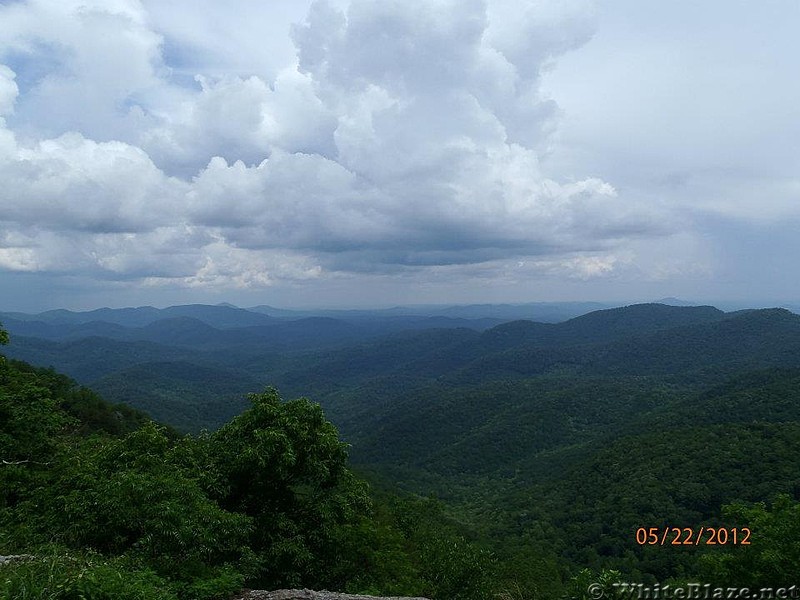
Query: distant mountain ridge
[
  {"x": 550, "y": 312},
  {"x": 226, "y": 315},
  {"x": 348, "y": 364},
  {"x": 221, "y": 316}
]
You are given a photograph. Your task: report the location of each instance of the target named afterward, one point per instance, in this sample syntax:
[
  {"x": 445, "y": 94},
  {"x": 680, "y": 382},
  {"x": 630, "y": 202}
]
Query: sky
[{"x": 353, "y": 153}]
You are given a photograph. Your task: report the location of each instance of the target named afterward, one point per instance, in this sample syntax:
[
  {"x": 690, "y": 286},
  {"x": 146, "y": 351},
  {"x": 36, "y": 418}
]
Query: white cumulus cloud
[{"x": 408, "y": 135}]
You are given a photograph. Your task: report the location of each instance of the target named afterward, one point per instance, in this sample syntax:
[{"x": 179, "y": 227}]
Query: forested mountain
[
  {"x": 548, "y": 312},
  {"x": 99, "y": 502},
  {"x": 304, "y": 333},
  {"x": 221, "y": 316},
  {"x": 552, "y": 442}
]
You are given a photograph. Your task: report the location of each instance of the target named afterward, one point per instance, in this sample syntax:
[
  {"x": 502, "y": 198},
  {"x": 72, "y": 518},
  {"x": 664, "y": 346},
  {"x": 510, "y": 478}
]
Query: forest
[
  {"x": 514, "y": 460},
  {"x": 109, "y": 504}
]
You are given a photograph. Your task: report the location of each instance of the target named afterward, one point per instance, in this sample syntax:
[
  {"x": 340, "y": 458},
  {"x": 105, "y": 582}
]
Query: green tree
[
  {"x": 128, "y": 495},
  {"x": 451, "y": 566},
  {"x": 590, "y": 585},
  {"x": 773, "y": 554},
  {"x": 30, "y": 424},
  {"x": 283, "y": 465}
]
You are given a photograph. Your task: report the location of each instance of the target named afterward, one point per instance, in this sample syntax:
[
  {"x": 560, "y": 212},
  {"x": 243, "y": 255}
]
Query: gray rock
[
  {"x": 312, "y": 595},
  {"x": 4, "y": 560}
]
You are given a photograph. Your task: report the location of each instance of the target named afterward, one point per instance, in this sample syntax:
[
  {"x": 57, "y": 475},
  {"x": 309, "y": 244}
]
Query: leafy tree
[
  {"x": 30, "y": 423},
  {"x": 29, "y": 420},
  {"x": 129, "y": 496},
  {"x": 450, "y": 566},
  {"x": 773, "y": 555},
  {"x": 590, "y": 585},
  {"x": 374, "y": 559},
  {"x": 283, "y": 465},
  {"x": 268, "y": 500},
  {"x": 455, "y": 569}
]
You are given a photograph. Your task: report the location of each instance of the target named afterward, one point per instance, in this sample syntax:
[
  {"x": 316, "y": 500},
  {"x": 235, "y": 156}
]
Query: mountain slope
[{"x": 187, "y": 396}]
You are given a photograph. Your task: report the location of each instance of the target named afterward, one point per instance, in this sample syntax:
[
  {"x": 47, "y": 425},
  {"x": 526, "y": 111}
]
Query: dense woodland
[
  {"x": 112, "y": 505},
  {"x": 469, "y": 459}
]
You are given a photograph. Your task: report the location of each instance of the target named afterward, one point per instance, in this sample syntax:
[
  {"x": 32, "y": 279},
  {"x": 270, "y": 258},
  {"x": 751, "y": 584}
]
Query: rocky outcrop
[
  {"x": 4, "y": 560},
  {"x": 312, "y": 595}
]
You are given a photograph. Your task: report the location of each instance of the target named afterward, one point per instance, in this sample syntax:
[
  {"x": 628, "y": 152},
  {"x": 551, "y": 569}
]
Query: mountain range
[{"x": 576, "y": 431}]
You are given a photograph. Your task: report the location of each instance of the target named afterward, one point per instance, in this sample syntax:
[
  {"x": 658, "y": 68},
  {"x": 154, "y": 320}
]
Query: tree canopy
[{"x": 268, "y": 500}]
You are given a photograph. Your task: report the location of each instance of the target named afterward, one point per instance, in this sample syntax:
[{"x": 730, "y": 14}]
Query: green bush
[
  {"x": 63, "y": 576},
  {"x": 772, "y": 556},
  {"x": 283, "y": 465}
]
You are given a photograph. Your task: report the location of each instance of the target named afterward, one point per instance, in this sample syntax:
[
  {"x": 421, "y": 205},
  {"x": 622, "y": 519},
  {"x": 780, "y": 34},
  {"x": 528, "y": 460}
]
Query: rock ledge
[
  {"x": 6, "y": 560},
  {"x": 312, "y": 595}
]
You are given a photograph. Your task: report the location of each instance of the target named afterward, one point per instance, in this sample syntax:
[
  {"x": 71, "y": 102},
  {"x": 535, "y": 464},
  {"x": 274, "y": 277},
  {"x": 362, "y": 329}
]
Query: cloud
[
  {"x": 86, "y": 66},
  {"x": 241, "y": 119},
  {"x": 8, "y": 96},
  {"x": 237, "y": 38},
  {"x": 408, "y": 136},
  {"x": 72, "y": 183},
  {"x": 688, "y": 104},
  {"x": 8, "y": 90}
]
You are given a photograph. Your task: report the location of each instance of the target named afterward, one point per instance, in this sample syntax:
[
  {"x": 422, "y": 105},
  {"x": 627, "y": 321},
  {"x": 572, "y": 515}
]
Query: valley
[{"x": 550, "y": 443}]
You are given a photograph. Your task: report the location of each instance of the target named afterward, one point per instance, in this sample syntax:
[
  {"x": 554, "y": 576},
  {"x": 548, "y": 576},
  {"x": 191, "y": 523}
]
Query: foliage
[
  {"x": 549, "y": 445},
  {"x": 284, "y": 466},
  {"x": 590, "y": 585},
  {"x": 65, "y": 576},
  {"x": 128, "y": 496},
  {"x": 771, "y": 558},
  {"x": 30, "y": 423},
  {"x": 450, "y": 565},
  {"x": 267, "y": 500}
]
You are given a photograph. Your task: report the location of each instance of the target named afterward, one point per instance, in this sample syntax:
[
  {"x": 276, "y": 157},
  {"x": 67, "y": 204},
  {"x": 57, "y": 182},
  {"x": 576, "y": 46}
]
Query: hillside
[
  {"x": 693, "y": 344},
  {"x": 97, "y": 501},
  {"x": 571, "y": 434}
]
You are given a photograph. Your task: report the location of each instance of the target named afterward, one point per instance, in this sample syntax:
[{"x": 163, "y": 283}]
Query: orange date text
[{"x": 693, "y": 536}]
